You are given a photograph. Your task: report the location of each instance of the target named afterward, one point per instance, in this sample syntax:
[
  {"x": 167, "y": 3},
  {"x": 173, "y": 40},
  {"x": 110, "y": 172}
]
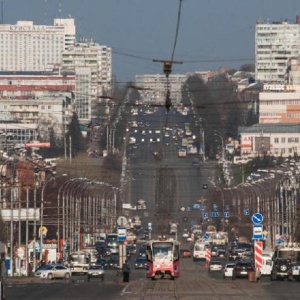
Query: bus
[
  {"x": 162, "y": 259},
  {"x": 112, "y": 243}
]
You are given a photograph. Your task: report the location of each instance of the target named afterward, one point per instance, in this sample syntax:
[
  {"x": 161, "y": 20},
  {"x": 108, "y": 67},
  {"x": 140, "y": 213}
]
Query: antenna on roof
[
  {"x": 2, "y": 18},
  {"x": 59, "y": 8}
]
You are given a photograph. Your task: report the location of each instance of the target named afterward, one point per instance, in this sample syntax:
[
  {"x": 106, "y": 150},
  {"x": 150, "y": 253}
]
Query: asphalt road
[{"x": 195, "y": 283}]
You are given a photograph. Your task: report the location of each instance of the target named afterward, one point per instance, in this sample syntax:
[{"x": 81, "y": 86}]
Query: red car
[{"x": 185, "y": 253}]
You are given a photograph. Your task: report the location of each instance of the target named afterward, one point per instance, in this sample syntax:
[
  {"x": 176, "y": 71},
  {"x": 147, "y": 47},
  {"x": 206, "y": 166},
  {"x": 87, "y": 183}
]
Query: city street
[{"x": 195, "y": 283}]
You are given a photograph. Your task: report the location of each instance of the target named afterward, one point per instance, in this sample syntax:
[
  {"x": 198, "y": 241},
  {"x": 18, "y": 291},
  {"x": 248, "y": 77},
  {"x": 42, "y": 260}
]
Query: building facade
[
  {"x": 41, "y": 98},
  {"x": 279, "y": 104},
  {"x": 275, "y": 43},
  {"x": 154, "y": 87},
  {"x": 29, "y": 47},
  {"x": 92, "y": 64},
  {"x": 270, "y": 139}
]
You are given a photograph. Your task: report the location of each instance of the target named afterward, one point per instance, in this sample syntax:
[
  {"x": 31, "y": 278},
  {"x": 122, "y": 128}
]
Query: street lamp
[{"x": 51, "y": 179}]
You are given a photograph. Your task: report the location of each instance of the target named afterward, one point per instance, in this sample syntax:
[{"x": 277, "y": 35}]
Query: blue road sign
[
  {"x": 205, "y": 215},
  {"x": 246, "y": 212},
  {"x": 197, "y": 206},
  {"x": 121, "y": 234},
  {"x": 257, "y": 232},
  {"x": 215, "y": 214},
  {"x": 215, "y": 207},
  {"x": 206, "y": 236},
  {"x": 188, "y": 209},
  {"x": 193, "y": 222},
  {"x": 226, "y": 214},
  {"x": 257, "y": 218}
]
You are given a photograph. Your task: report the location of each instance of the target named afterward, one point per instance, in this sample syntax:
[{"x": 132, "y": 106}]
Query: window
[
  {"x": 296, "y": 140},
  {"x": 291, "y": 140},
  {"x": 283, "y": 140},
  {"x": 276, "y": 140}
]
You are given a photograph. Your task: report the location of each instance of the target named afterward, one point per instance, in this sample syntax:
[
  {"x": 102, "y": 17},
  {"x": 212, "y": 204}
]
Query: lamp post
[{"x": 51, "y": 179}]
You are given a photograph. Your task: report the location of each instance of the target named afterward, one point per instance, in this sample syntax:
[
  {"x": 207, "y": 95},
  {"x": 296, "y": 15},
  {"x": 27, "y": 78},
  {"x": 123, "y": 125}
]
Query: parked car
[
  {"x": 95, "y": 271},
  {"x": 241, "y": 269},
  {"x": 228, "y": 269},
  {"x": 53, "y": 271},
  {"x": 140, "y": 263},
  {"x": 215, "y": 265},
  {"x": 185, "y": 253}
]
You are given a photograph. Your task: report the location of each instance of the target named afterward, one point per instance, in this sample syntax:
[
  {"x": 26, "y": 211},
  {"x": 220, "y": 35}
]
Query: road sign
[
  {"x": 257, "y": 218},
  {"x": 205, "y": 215},
  {"x": 215, "y": 207},
  {"x": 150, "y": 227},
  {"x": 257, "y": 232},
  {"x": 188, "y": 209},
  {"x": 182, "y": 208},
  {"x": 215, "y": 214},
  {"x": 122, "y": 221},
  {"x": 121, "y": 234},
  {"x": 206, "y": 236},
  {"x": 226, "y": 207},
  {"x": 246, "y": 212},
  {"x": 226, "y": 214},
  {"x": 197, "y": 206}
]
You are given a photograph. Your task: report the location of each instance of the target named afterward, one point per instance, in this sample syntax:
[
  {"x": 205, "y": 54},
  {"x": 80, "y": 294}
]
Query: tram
[{"x": 163, "y": 259}]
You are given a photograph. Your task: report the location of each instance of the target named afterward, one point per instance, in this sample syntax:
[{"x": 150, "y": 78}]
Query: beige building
[
  {"x": 92, "y": 64},
  {"x": 154, "y": 87},
  {"x": 275, "y": 44}
]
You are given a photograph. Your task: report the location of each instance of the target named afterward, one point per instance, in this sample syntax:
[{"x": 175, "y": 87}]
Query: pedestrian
[{"x": 126, "y": 271}]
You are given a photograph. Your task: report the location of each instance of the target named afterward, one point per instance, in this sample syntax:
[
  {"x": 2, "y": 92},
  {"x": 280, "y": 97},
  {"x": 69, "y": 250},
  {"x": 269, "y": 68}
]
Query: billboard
[{"x": 22, "y": 214}]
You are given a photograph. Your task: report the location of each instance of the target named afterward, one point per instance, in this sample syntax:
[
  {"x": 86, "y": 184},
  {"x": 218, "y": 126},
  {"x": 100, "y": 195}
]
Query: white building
[
  {"x": 29, "y": 47},
  {"x": 92, "y": 64},
  {"x": 270, "y": 139},
  {"x": 154, "y": 87},
  {"x": 279, "y": 104},
  {"x": 275, "y": 43}
]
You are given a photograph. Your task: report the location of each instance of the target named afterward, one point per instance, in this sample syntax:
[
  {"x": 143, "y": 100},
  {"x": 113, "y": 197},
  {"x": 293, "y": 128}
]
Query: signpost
[{"x": 258, "y": 235}]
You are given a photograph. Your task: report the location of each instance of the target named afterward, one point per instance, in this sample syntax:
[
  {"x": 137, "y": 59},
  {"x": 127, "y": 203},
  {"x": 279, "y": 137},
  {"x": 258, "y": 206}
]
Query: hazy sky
[{"x": 212, "y": 33}]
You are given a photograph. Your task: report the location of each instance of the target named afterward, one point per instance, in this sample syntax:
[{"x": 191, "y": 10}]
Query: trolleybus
[{"x": 163, "y": 259}]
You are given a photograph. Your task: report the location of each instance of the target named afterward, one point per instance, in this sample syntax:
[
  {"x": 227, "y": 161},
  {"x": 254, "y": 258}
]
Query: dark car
[
  {"x": 103, "y": 263},
  {"x": 113, "y": 262},
  {"x": 140, "y": 263},
  {"x": 241, "y": 269},
  {"x": 282, "y": 269}
]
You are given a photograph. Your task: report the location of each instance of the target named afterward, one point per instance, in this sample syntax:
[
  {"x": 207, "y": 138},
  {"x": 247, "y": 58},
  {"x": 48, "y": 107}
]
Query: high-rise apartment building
[
  {"x": 29, "y": 47},
  {"x": 154, "y": 87},
  {"x": 275, "y": 44},
  {"x": 92, "y": 65}
]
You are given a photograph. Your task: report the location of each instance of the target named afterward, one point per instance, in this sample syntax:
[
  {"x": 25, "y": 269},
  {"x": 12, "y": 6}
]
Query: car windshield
[
  {"x": 215, "y": 263},
  {"x": 48, "y": 267},
  {"x": 95, "y": 267},
  {"x": 140, "y": 260}
]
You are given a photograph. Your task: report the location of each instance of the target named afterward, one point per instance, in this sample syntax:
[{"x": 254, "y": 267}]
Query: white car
[
  {"x": 215, "y": 266},
  {"x": 228, "y": 269},
  {"x": 53, "y": 271}
]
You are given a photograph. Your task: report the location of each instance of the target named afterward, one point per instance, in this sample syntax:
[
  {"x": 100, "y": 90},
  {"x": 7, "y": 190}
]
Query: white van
[
  {"x": 267, "y": 263},
  {"x": 199, "y": 252}
]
